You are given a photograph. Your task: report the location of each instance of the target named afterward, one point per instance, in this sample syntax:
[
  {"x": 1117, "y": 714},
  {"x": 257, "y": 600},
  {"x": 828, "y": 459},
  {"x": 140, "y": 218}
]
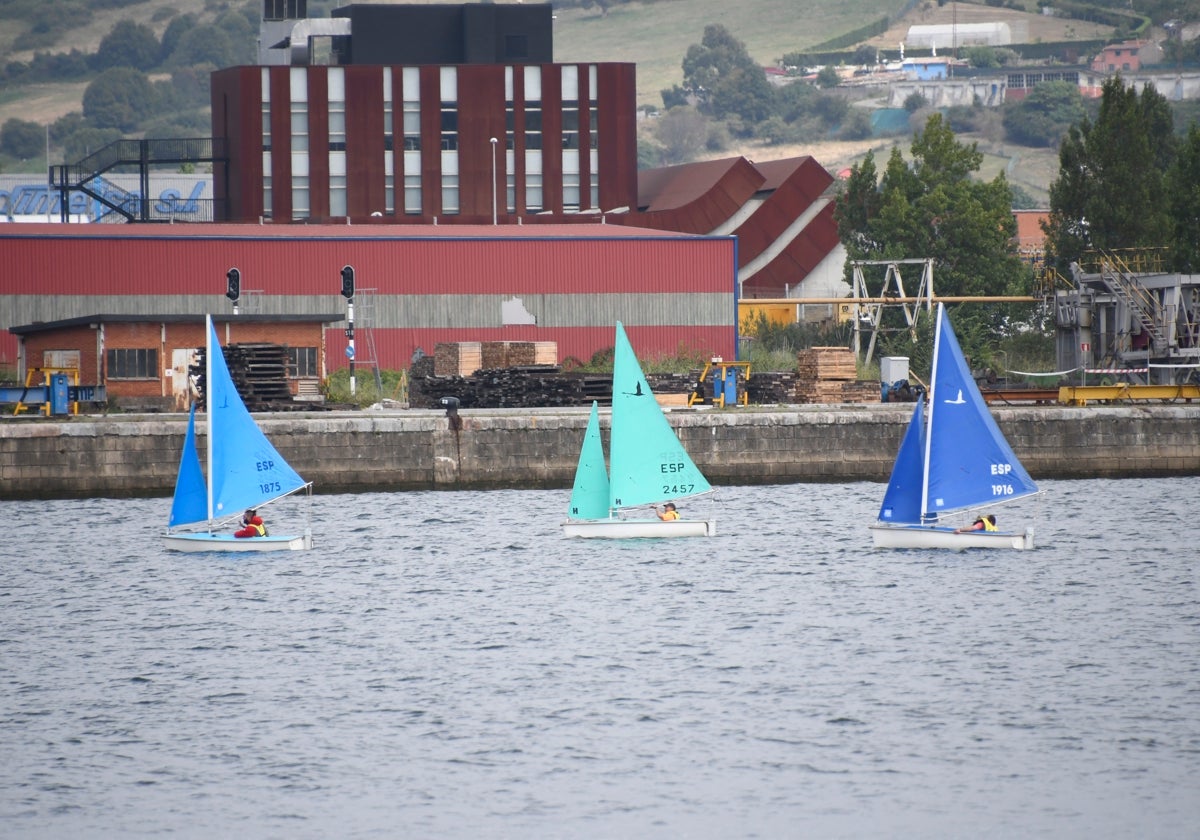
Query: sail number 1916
[{"x": 1002, "y": 489}]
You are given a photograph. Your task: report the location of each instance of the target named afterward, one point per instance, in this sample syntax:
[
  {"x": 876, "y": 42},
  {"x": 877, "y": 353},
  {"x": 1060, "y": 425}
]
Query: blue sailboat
[
  {"x": 953, "y": 458},
  {"x": 649, "y": 466},
  {"x": 242, "y": 470}
]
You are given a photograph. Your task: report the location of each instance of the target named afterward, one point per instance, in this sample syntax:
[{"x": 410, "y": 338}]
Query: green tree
[
  {"x": 1045, "y": 115},
  {"x": 932, "y": 207},
  {"x": 1109, "y": 191},
  {"x": 119, "y": 98},
  {"x": 682, "y": 133},
  {"x": 22, "y": 139},
  {"x": 1184, "y": 202},
  {"x": 827, "y": 77},
  {"x": 203, "y": 45},
  {"x": 174, "y": 31},
  {"x": 724, "y": 80},
  {"x": 128, "y": 44}
]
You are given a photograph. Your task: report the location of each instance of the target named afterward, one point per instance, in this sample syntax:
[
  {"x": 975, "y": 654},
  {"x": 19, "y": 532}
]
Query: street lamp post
[{"x": 493, "y": 140}]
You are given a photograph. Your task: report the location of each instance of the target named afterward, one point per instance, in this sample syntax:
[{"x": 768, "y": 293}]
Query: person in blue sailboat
[
  {"x": 252, "y": 525},
  {"x": 981, "y": 523}
]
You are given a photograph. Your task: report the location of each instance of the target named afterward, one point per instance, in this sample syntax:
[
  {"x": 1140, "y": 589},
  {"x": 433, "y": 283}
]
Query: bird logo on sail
[
  {"x": 637, "y": 392},
  {"x": 957, "y": 400}
]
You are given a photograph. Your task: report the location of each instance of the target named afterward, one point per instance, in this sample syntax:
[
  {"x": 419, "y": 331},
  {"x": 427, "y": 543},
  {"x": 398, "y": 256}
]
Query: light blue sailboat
[
  {"x": 243, "y": 471},
  {"x": 649, "y": 466},
  {"x": 953, "y": 458}
]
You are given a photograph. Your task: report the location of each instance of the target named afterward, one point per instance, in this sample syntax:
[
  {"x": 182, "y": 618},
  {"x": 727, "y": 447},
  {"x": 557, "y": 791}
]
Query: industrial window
[
  {"x": 302, "y": 362},
  {"x": 285, "y": 9},
  {"x": 132, "y": 363}
]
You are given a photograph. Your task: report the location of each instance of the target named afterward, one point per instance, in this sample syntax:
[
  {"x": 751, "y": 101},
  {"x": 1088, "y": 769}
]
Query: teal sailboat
[
  {"x": 242, "y": 470},
  {"x": 648, "y": 465}
]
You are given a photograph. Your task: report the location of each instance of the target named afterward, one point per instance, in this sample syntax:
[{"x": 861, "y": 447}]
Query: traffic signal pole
[{"x": 348, "y": 294}]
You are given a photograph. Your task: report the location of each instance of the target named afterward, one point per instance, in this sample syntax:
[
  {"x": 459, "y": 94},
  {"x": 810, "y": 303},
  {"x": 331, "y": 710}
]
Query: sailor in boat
[
  {"x": 668, "y": 513},
  {"x": 252, "y": 525},
  {"x": 982, "y": 523}
]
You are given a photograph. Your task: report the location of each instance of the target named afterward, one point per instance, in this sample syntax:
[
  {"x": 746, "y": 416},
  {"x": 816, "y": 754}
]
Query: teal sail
[
  {"x": 190, "y": 504},
  {"x": 589, "y": 494},
  {"x": 648, "y": 464},
  {"x": 245, "y": 469},
  {"x": 968, "y": 461},
  {"x": 902, "y": 501}
]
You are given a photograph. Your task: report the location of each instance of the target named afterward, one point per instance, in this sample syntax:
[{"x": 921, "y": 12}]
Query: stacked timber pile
[
  {"x": 505, "y": 354},
  {"x": 829, "y": 375},
  {"x": 532, "y": 386},
  {"x": 457, "y": 358},
  {"x": 259, "y": 372},
  {"x": 772, "y": 388}
]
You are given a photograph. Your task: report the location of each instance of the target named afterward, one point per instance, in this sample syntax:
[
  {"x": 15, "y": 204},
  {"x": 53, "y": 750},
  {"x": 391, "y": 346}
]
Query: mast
[
  {"x": 937, "y": 346},
  {"x": 208, "y": 411}
]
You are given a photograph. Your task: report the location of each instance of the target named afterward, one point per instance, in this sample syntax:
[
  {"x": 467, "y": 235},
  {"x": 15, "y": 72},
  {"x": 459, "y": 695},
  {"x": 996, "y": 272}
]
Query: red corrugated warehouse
[{"x": 415, "y": 286}]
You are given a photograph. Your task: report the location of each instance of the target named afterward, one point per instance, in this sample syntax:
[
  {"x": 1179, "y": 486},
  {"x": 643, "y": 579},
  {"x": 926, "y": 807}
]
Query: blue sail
[
  {"x": 902, "y": 501},
  {"x": 647, "y": 462},
  {"x": 968, "y": 461},
  {"x": 190, "y": 504},
  {"x": 589, "y": 495},
  {"x": 246, "y": 469}
]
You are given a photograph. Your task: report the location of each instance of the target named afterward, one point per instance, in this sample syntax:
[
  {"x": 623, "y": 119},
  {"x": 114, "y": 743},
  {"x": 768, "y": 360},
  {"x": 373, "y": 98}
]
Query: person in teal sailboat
[{"x": 668, "y": 512}]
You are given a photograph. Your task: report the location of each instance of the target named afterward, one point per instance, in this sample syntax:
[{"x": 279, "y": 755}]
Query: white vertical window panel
[
  {"x": 570, "y": 82},
  {"x": 533, "y": 181},
  {"x": 533, "y": 84},
  {"x": 449, "y": 84},
  {"x": 298, "y": 79},
  {"x": 508, "y": 83},
  {"x": 336, "y": 81},
  {"x": 592, "y": 84}
]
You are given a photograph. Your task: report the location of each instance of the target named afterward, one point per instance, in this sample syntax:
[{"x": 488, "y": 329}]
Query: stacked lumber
[
  {"x": 829, "y": 375},
  {"x": 259, "y": 372},
  {"x": 457, "y": 358},
  {"x": 832, "y": 391},
  {"x": 502, "y": 354},
  {"x": 819, "y": 364}
]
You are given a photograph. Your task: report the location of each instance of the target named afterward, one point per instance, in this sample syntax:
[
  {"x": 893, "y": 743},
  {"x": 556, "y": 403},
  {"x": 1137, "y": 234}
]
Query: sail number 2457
[{"x": 675, "y": 489}]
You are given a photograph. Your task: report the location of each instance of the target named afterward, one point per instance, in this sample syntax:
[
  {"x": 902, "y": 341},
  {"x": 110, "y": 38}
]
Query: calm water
[{"x": 447, "y": 665}]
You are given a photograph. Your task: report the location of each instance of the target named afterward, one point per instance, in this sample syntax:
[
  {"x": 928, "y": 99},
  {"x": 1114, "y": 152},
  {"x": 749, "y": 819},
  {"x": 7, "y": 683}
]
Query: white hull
[
  {"x": 933, "y": 536},
  {"x": 628, "y": 529},
  {"x": 227, "y": 542}
]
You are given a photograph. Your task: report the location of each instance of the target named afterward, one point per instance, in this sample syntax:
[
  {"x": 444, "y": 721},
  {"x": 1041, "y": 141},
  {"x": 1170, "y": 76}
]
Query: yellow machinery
[
  {"x": 1084, "y": 394},
  {"x": 723, "y": 377}
]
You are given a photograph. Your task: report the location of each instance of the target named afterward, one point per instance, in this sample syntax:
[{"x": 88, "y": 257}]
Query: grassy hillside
[{"x": 653, "y": 35}]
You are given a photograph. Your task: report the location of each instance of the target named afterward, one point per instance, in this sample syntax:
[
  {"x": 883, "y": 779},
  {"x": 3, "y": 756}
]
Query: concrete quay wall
[{"x": 413, "y": 449}]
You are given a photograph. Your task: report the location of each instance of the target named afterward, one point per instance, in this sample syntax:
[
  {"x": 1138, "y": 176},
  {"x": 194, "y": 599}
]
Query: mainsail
[{"x": 648, "y": 463}]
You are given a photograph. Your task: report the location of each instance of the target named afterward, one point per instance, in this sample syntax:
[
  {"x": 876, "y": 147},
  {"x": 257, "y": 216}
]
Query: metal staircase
[
  {"x": 85, "y": 176},
  {"x": 366, "y": 320},
  {"x": 1145, "y": 307}
]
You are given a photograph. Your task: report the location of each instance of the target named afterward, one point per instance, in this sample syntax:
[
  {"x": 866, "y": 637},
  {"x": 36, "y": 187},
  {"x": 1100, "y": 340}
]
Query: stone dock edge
[{"x": 403, "y": 449}]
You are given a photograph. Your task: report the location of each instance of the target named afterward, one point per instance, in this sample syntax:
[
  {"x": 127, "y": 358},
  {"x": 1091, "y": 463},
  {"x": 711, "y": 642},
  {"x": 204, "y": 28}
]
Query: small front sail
[
  {"x": 902, "y": 501},
  {"x": 190, "y": 504},
  {"x": 648, "y": 463},
  {"x": 246, "y": 469},
  {"x": 589, "y": 495},
  {"x": 969, "y": 461}
]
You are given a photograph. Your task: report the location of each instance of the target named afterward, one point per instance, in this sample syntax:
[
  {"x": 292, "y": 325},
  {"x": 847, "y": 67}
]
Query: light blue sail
[
  {"x": 647, "y": 463},
  {"x": 589, "y": 494},
  {"x": 190, "y": 504},
  {"x": 246, "y": 469},
  {"x": 902, "y": 501},
  {"x": 968, "y": 461}
]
